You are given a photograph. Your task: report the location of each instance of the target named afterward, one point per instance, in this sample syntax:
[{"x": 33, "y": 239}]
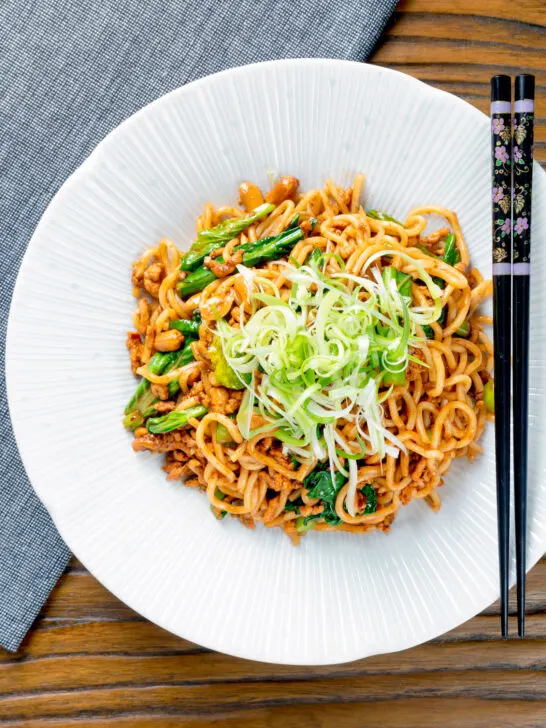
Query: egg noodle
[{"x": 310, "y": 365}]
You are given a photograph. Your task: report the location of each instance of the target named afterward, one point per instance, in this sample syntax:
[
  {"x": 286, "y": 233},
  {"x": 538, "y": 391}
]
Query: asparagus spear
[
  {"x": 255, "y": 253},
  {"x": 188, "y": 327},
  {"x": 216, "y": 237},
  {"x": 174, "y": 420}
]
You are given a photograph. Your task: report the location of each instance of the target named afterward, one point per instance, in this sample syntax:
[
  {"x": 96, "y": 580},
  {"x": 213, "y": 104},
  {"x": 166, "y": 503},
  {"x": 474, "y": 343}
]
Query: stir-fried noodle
[{"x": 317, "y": 367}]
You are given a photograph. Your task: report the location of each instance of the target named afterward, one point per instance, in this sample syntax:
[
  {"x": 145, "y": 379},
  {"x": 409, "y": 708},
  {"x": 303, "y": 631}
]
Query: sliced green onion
[
  {"x": 464, "y": 329},
  {"x": 489, "y": 395}
]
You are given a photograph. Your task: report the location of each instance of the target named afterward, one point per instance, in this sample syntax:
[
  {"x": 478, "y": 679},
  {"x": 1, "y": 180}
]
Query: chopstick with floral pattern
[
  {"x": 522, "y": 156},
  {"x": 501, "y": 151}
]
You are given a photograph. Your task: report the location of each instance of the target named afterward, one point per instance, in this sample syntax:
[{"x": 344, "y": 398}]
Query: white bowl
[{"x": 154, "y": 544}]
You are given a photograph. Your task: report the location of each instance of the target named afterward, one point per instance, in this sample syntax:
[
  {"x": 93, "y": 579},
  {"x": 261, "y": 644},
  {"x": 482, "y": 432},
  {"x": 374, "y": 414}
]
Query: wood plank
[
  {"x": 144, "y": 638},
  {"x": 228, "y": 697},
  {"x": 413, "y": 713},
  {"x": 525, "y": 11},
  {"x": 81, "y": 671},
  {"x": 473, "y": 29},
  {"x": 104, "y": 637}
]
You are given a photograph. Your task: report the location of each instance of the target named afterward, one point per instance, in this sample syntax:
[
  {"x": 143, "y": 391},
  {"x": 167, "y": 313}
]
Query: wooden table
[{"x": 92, "y": 661}]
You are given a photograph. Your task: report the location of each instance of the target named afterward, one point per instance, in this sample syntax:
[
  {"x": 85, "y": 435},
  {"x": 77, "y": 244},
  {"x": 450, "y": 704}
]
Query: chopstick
[
  {"x": 501, "y": 152},
  {"x": 521, "y": 269}
]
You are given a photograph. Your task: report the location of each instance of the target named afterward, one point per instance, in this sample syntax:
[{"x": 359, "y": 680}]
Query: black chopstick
[
  {"x": 501, "y": 150},
  {"x": 522, "y": 156}
]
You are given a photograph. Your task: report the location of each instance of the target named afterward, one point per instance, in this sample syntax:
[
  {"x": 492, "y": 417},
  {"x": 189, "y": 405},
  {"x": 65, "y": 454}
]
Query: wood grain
[{"x": 90, "y": 660}]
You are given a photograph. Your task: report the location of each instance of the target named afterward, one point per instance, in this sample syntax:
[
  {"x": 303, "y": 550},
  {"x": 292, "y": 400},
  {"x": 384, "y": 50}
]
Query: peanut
[
  {"x": 283, "y": 190},
  {"x": 250, "y": 196},
  {"x": 168, "y": 340}
]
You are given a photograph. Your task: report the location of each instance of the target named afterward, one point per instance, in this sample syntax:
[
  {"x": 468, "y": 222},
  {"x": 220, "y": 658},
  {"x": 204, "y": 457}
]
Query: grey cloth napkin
[{"x": 70, "y": 71}]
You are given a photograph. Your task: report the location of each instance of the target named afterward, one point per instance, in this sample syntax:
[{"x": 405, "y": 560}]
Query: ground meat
[
  {"x": 414, "y": 370},
  {"x": 197, "y": 391},
  {"x": 168, "y": 442},
  {"x": 134, "y": 345},
  {"x": 435, "y": 237},
  {"x": 181, "y": 465},
  {"x": 136, "y": 276},
  {"x": 152, "y": 278},
  {"x": 219, "y": 397},
  {"x": 221, "y": 270},
  {"x": 311, "y": 510},
  {"x": 160, "y": 390},
  {"x": 234, "y": 401},
  {"x": 279, "y": 482},
  {"x": 247, "y": 521},
  {"x": 385, "y": 525},
  {"x": 163, "y": 407}
]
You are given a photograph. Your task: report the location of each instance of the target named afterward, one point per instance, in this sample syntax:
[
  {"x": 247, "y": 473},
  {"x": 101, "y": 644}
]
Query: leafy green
[
  {"x": 319, "y": 484},
  {"x": 368, "y": 491},
  {"x": 293, "y": 506},
  {"x": 174, "y": 420},
  {"x": 223, "y": 373},
  {"x": 451, "y": 254}
]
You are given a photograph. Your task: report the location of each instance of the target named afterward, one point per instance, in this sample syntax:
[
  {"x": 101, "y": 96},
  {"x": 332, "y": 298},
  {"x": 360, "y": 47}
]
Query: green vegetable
[
  {"x": 313, "y": 222},
  {"x": 305, "y": 524},
  {"x": 395, "y": 378},
  {"x": 403, "y": 280},
  {"x": 218, "y": 494},
  {"x": 323, "y": 354},
  {"x": 319, "y": 484},
  {"x": 174, "y": 420},
  {"x": 189, "y": 327},
  {"x": 143, "y": 400},
  {"x": 429, "y": 331},
  {"x": 377, "y": 215},
  {"x": 217, "y": 513},
  {"x": 223, "y": 373},
  {"x": 426, "y": 251},
  {"x": 463, "y": 330},
  {"x": 255, "y": 253},
  {"x": 368, "y": 491},
  {"x": 133, "y": 420},
  {"x": 222, "y": 434},
  {"x": 293, "y": 222},
  {"x": 217, "y": 237},
  {"x": 489, "y": 395},
  {"x": 184, "y": 356},
  {"x": 293, "y": 506},
  {"x": 451, "y": 255}
]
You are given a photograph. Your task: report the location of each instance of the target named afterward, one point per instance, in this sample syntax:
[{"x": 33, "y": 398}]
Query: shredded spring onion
[{"x": 322, "y": 355}]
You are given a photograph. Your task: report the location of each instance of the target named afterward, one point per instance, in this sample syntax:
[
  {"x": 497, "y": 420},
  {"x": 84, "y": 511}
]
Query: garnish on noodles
[{"x": 310, "y": 365}]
